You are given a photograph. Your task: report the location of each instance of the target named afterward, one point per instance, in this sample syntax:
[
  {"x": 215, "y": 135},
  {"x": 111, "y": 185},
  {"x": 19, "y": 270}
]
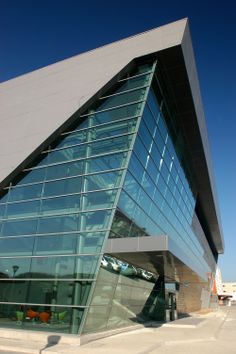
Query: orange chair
[
  {"x": 44, "y": 316},
  {"x": 32, "y": 314}
]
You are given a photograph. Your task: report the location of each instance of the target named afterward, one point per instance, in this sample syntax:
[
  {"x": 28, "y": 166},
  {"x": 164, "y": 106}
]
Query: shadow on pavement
[{"x": 52, "y": 340}]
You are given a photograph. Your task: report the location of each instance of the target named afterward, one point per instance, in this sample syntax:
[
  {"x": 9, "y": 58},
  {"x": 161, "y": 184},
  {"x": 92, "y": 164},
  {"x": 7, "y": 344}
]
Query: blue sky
[{"x": 35, "y": 33}]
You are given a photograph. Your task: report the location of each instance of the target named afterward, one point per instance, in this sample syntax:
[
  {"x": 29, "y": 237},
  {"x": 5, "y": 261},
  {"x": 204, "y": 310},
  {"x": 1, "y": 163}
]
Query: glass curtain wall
[
  {"x": 55, "y": 217},
  {"x": 156, "y": 197}
]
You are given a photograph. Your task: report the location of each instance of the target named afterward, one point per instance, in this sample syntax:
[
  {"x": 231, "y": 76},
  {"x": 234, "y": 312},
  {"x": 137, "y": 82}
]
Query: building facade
[
  {"x": 229, "y": 288},
  {"x": 108, "y": 211}
]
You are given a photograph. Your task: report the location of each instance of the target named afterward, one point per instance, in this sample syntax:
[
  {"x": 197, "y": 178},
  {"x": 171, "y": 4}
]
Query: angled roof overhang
[
  {"x": 37, "y": 106},
  {"x": 156, "y": 254}
]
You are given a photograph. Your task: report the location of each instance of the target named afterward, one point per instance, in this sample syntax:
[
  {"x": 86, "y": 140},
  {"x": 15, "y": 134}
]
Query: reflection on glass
[
  {"x": 65, "y": 186},
  {"x": 124, "y": 98},
  {"x": 45, "y": 292},
  {"x": 16, "y": 246},
  {"x": 58, "y": 224},
  {"x": 107, "y": 162},
  {"x": 33, "y": 316},
  {"x": 122, "y": 292},
  {"x": 57, "y": 214},
  {"x": 117, "y": 113},
  {"x": 73, "y": 139},
  {"x": 67, "y": 154},
  {"x": 99, "y": 200},
  {"x": 2, "y": 210},
  {"x": 64, "y": 170},
  {"x": 95, "y": 220},
  {"x": 25, "y": 209},
  {"x": 33, "y": 176},
  {"x": 60, "y": 205},
  {"x": 8, "y": 269},
  {"x": 64, "y": 267},
  {"x": 27, "y": 192},
  {"x": 23, "y": 227},
  {"x": 102, "y": 181}
]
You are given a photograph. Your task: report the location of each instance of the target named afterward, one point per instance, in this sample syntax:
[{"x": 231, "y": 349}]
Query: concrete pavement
[{"x": 214, "y": 332}]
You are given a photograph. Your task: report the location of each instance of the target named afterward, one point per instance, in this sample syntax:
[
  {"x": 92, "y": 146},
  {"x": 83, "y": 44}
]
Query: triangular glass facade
[
  {"x": 57, "y": 215},
  {"x": 155, "y": 200}
]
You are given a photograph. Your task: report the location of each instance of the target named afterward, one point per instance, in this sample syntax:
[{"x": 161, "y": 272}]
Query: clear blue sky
[{"x": 35, "y": 33}]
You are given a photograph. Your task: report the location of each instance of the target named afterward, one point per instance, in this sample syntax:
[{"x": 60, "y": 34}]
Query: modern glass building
[{"x": 108, "y": 214}]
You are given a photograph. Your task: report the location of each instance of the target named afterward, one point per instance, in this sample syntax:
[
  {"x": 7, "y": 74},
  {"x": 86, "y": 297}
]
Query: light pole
[{"x": 15, "y": 269}]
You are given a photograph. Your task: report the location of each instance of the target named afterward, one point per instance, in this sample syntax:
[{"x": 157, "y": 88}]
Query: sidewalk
[{"x": 203, "y": 334}]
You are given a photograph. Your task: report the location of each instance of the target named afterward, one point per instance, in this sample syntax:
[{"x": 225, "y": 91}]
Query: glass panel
[
  {"x": 29, "y": 192},
  {"x": 16, "y": 246},
  {"x": 80, "y": 267},
  {"x": 107, "y": 162},
  {"x": 116, "y": 113},
  {"x": 65, "y": 170},
  {"x": 162, "y": 128},
  {"x": 102, "y": 181},
  {"x": 99, "y": 200},
  {"x": 15, "y": 267},
  {"x": 109, "y": 145},
  {"x": 148, "y": 185},
  {"x": 149, "y": 120},
  {"x": 129, "y": 83},
  {"x": 131, "y": 186},
  {"x": 63, "y": 295},
  {"x": 73, "y": 139},
  {"x": 160, "y": 143},
  {"x": 122, "y": 99},
  {"x": 57, "y": 319},
  {"x": 113, "y": 129},
  {"x": 58, "y": 224},
  {"x": 89, "y": 242},
  {"x": 25, "y": 209},
  {"x": 4, "y": 198},
  {"x": 65, "y": 186},
  {"x": 136, "y": 168},
  {"x": 55, "y": 244},
  {"x": 134, "y": 82},
  {"x": 45, "y": 292},
  {"x": 96, "y": 318},
  {"x": 60, "y": 205},
  {"x": 36, "y": 175},
  {"x": 141, "y": 151},
  {"x": 153, "y": 105},
  {"x": 73, "y": 153},
  {"x": 152, "y": 170},
  {"x": 2, "y": 210},
  {"x": 121, "y": 226},
  {"x": 145, "y": 135},
  {"x": 126, "y": 204},
  {"x": 125, "y": 290},
  {"x": 96, "y": 220},
  {"x": 24, "y": 227},
  {"x": 142, "y": 69}
]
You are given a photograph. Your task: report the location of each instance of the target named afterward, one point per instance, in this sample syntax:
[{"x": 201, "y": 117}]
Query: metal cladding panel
[
  {"x": 200, "y": 152},
  {"x": 34, "y": 105}
]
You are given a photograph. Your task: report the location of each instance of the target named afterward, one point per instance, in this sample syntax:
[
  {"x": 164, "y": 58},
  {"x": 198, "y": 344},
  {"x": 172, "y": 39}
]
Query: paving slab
[{"x": 188, "y": 322}]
